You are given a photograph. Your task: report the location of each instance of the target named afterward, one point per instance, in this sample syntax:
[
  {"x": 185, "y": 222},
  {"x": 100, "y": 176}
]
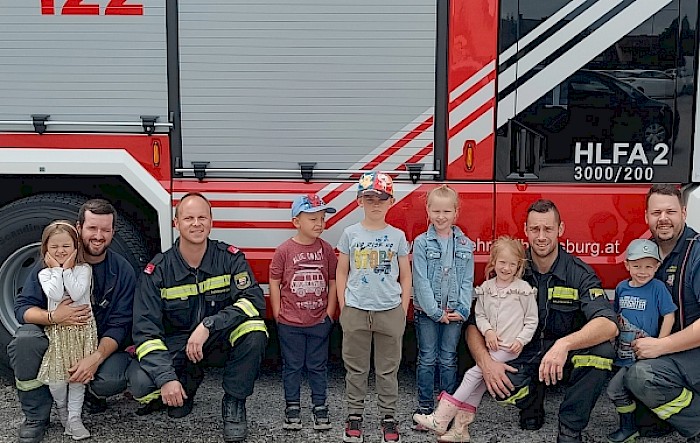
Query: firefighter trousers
[
  {"x": 241, "y": 364},
  {"x": 670, "y": 387},
  {"x": 26, "y": 351},
  {"x": 585, "y": 374}
]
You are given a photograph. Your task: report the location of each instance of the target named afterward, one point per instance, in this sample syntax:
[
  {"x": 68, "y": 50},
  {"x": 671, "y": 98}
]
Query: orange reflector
[
  {"x": 469, "y": 146},
  {"x": 156, "y": 152}
]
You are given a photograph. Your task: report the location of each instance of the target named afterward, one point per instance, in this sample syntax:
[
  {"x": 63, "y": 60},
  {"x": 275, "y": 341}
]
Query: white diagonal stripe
[
  {"x": 483, "y": 95},
  {"x": 477, "y": 130},
  {"x": 554, "y": 42},
  {"x": 471, "y": 81},
  {"x": 583, "y": 52}
]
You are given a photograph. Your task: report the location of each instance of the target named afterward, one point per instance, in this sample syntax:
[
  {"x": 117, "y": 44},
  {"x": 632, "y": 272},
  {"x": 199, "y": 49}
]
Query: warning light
[
  {"x": 156, "y": 152},
  {"x": 469, "y": 146}
]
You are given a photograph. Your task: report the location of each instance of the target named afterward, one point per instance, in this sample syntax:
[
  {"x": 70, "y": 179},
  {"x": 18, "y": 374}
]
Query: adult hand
[
  {"x": 70, "y": 261},
  {"x": 497, "y": 382},
  {"x": 516, "y": 347},
  {"x": 173, "y": 394},
  {"x": 445, "y": 318},
  {"x": 66, "y": 314},
  {"x": 552, "y": 364},
  {"x": 648, "y": 347},
  {"x": 84, "y": 371},
  {"x": 491, "y": 340},
  {"x": 454, "y": 316},
  {"x": 195, "y": 343},
  {"x": 50, "y": 261}
]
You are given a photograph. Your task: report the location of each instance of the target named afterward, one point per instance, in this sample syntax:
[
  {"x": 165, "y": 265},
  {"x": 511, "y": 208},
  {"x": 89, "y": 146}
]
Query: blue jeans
[
  {"x": 437, "y": 346},
  {"x": 305, "y": 347}
]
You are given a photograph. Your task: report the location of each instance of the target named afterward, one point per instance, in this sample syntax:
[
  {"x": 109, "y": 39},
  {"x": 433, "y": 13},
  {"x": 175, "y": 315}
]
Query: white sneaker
[{"x": 76, "y": 429}]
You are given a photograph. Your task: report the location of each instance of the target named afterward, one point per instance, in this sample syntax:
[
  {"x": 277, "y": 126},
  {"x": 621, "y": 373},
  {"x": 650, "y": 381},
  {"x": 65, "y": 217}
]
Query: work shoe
[
  {"x": 234, "y": 415},
  {"x": 32, "y": 431},
  {"x": 627, "y": 432},
  {"x": 390, "y": 430},
  {"x": 322, "y": 421},
  {"x": 567, "y": 435},
  {"x": 531, "y": 423},
  {"x": 93, "y": 404},
  {"x": 353, "y": 429},
  {"x": 151, "y": 407},
  {"x": 420, "y": 411},
  {"x": 76, "y": 429},
  {"x": 181, "y": 411},
  {"x": 292, "y": 417}
]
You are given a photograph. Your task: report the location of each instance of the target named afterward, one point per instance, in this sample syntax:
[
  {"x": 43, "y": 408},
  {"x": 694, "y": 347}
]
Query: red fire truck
[{"x": 584, "y": 102}]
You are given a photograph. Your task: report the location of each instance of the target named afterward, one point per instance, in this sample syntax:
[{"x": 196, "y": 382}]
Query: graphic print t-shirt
[
  {"x": 374, "y": 266},
  {"x": 304, "y": 271}
]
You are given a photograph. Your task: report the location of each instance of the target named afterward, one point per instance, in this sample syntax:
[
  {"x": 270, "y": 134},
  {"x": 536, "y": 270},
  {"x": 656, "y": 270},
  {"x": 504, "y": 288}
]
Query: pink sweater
[{"x": 511, "y": 312}]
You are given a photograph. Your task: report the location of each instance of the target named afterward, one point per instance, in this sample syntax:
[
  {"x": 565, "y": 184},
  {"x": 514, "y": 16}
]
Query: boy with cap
[
  {"x": 639, "y": 302},
  {"x": 374, "y": 289},
  {"x": 303, "y": 301}
]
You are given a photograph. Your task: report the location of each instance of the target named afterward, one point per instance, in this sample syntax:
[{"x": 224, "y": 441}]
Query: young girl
[
  {"x": 506, "y": 314},
  {"x": 443, "y": 273},
  {"x": 66, "y": 275}
]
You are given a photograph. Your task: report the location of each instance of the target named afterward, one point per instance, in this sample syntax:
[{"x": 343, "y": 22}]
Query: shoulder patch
[
  {"x": 233, "y": 250},
  {"x": 595, "y": 293},
  {"x": 149, "y": 268},
  {"x": 242, "y": 280}
]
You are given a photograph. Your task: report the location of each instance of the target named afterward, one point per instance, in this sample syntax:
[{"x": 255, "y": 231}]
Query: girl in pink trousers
[{"x": 506, "y": 314}]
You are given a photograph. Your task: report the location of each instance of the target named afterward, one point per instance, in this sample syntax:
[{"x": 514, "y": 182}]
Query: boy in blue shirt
[{"x": 639, "y": 302}]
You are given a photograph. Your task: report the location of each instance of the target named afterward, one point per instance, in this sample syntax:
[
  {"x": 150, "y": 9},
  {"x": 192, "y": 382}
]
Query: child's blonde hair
[
  {"x": 502, "y": 243},
  {"x": 57, "y": 227},
  {"x": 443, "y": 191}
]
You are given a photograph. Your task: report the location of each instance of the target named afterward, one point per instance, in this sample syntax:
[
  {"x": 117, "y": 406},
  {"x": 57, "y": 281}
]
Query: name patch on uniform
[
  {"x": 149, "y": 268},
  {"x": 233, "y": 250},
  {"x": 242, "y": 280},
  {"x": 670, "y": 279},
  {"x": 595, "y": 293}
]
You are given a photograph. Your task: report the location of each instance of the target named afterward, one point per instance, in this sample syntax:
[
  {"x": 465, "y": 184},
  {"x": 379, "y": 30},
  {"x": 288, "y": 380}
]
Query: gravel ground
[{"x": 266, "y": 410}]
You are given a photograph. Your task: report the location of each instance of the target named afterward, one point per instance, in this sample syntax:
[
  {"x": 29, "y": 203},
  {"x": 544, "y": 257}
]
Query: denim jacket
[{"x": 428, "y": 270}]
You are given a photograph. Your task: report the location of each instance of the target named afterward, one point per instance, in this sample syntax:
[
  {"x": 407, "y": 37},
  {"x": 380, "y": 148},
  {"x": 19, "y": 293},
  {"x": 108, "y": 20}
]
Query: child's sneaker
[
  {"x": 390, "y": 430},
  {"x": 353, "y": 429},
  {"x": 292, "y": 417},
  {"x": 321, "y": 420},
  {"x": 417, "y": 426},
  {"x": 76, "y": 429}
]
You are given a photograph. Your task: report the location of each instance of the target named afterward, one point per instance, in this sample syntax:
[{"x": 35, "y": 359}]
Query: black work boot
[
  {"x": 32, "y": 431},
  {"x": 567, "y": 435},
  {"x": 233, "y": 413},
  {"x": 627, "y": 433},
  {"x": 93, "y": 404}
]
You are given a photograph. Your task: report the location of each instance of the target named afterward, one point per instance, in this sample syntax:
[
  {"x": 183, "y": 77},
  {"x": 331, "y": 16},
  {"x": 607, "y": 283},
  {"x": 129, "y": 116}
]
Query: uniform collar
[
  {"x": 183, "y": 270},
  {"x": 686, "y": 235}
]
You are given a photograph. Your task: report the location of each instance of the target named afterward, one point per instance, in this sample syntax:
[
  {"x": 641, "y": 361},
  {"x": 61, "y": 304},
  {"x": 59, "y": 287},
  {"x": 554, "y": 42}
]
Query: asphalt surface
[{"x": 266, "y": 411}]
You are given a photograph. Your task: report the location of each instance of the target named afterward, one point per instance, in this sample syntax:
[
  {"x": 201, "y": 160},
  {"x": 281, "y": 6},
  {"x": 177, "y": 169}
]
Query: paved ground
[{"x": 265, "y": 412}]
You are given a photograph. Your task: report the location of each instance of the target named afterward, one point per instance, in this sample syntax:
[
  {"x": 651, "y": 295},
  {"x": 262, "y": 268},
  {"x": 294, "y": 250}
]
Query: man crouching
[{"x": 197, "y": 304}]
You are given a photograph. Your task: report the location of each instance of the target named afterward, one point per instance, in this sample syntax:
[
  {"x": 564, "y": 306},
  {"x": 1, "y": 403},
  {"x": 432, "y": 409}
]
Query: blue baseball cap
[
  {"x": 310, "y": 203},
  {"x": 642, "y": 248}
]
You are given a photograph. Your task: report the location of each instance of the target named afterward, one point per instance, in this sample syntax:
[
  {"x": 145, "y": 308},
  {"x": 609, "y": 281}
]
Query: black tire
[{"x": 21, "y": 225}]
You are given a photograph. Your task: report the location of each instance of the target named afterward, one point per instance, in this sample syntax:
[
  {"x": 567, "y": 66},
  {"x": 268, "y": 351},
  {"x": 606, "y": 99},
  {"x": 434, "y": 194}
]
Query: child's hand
[
  {"x": 70, "y": 262},
  {"x": 50, "y": 261},
  {"x": 491, "y": 340},
  {"x": 444, "y": 319},
  {"x": 516, "y": 347}
]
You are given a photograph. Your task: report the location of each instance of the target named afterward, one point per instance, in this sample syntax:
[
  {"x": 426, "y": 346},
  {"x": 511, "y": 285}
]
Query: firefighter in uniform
[
  {"x": 572, "y": 341},
  {"x": 666, "y": 377},
  {"x": 197, "y": 304}
]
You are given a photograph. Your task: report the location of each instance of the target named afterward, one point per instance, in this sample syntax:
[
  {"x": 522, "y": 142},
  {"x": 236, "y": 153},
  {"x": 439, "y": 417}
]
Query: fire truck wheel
[{"x": 21, "y": 225}]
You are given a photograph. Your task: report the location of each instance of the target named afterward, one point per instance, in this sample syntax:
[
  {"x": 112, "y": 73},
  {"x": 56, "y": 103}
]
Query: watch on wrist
[{"x": 208, "y": 323}]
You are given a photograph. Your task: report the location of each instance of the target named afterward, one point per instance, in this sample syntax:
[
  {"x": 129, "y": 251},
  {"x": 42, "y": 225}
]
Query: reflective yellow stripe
[
  {"x": 522, "y": 393},
  {"x": 246, "y": 327},
  {"x": 182, "y": 292},
  {"x": 148, "y": 398},
  {"x": 218, "y": 282},
  {"x": 674, "y": 406},
  {"x": 582, "y": 361},
  {"x": 28, "y": 385},
  {"x": 149, "y": 346},
  {"x": 246, "y": 306},
  {"x": 562, "y": 293},
  {"x": 626, "y": 409}
]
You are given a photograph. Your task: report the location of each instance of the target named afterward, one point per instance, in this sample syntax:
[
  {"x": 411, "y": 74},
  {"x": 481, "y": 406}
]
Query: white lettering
[
  {"x": 579, "y": 152},
  {"x": 638, "y": 154},
  {"x": 599, "y": 155},
  {"x": 618, "y": 151}
]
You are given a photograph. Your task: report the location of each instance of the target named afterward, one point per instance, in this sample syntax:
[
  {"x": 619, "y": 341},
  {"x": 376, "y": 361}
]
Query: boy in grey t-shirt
[{"x": 374, "y": 289}]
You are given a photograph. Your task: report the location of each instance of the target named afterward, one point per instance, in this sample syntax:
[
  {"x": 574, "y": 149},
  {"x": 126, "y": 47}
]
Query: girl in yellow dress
[{"x": 66, "y": 275}]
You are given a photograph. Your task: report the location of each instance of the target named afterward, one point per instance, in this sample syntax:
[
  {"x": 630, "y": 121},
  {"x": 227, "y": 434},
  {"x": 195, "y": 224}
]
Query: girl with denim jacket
[{"x": 443, "y": 275}]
